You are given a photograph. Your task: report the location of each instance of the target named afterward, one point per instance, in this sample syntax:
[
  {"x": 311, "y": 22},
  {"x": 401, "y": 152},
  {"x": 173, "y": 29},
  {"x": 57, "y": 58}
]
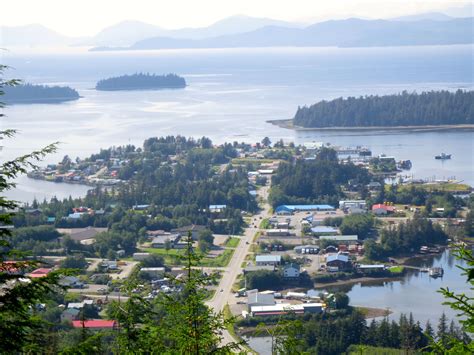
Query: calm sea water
[
  {"x": 231, "y": 95},
  {"x": 416, "y": 293}
]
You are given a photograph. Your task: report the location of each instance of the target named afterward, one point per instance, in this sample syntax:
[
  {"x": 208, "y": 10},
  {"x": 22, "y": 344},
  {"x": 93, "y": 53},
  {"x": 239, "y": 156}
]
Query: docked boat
[
  {"x": 436, "y": 272},
  {"x": 425, "y": 269},
  {"x": 443, "y": 156}
]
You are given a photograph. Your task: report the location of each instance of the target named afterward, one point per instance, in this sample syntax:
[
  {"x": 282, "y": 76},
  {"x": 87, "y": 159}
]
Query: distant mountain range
[
  {"x": 342, "y": 33},
  {"x": 243, "y": 30}
]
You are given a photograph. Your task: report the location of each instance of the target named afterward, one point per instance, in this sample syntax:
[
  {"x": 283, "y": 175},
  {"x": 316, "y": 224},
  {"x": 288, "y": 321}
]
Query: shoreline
[
  {"x": 288, "y": 124},
  {"x": 320, "y": 285}
]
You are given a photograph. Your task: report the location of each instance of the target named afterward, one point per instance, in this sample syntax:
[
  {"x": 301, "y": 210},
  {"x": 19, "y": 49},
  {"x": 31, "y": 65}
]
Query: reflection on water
[{"x": 416, "y": 292}]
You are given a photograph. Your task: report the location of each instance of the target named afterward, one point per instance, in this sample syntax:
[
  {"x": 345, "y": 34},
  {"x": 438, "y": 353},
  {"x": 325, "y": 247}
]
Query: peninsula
[
  {"x": 34, "y": 94},
  {"x": 141, "y": 81},
  {"x": 431, "y": 110}
]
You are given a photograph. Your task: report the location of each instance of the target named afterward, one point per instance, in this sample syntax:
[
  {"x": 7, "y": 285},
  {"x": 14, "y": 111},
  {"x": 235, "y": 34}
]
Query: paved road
[{"x": 234, "y": 268}]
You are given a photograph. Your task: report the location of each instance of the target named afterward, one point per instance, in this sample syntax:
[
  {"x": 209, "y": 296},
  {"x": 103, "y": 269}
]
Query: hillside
[{"x": 342, "y": 33}]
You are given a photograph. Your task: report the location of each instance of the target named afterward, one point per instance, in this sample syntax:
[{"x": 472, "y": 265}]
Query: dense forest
[
  {"x": 405, "y": 109},
  {"x": 29, "y": 94},
  {"x": 141, "y": 81},
  {"x": 315, "y": 181},
  {"x": 405, "y": 238}
]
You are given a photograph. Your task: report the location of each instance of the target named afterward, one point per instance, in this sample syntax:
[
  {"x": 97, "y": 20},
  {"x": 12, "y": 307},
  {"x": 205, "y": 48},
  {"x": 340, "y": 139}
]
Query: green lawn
[
  {"x": 232, "y": 242},
  {"x": 265, "y": 223},
  {"x": 373, "y": 350},
  {"x": 174, "y": 257},
  {"x": 439, "y": 187},
  {"x": 396, "y": 269},
  {"x": 221, "y": 261}
]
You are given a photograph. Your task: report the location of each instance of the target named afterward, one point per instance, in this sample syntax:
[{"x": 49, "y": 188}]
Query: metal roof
[
  {"x": 268, "y": 258},
  {"x": 340, "y": 257},
  {"x": 340, "y": 237}
]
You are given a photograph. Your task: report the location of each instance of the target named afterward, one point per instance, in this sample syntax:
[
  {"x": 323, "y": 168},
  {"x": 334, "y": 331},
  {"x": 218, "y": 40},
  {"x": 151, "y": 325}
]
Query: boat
[
  {"x": 443, "y": 156},
  {"x": 425, "y": 269},
  {"x": 436, "y": 272}
]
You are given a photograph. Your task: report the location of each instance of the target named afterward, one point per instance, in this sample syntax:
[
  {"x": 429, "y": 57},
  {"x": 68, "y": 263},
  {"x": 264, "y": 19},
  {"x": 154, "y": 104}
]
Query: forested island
[
  {"x": 433, "y": 108},
  {"x": 141, "y": 81},
  {"x": 31, "y": 94}
]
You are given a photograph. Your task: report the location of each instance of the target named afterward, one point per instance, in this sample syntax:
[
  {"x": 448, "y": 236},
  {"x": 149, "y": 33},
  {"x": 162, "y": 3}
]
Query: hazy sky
[{"x": 87, "y": 17}]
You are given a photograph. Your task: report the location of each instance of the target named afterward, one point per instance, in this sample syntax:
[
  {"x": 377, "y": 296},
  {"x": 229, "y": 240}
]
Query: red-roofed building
[
  {"x": 95, "y": 324},
  {"x": 381, "y": 209},
  {"x": 41, "y": 272}
]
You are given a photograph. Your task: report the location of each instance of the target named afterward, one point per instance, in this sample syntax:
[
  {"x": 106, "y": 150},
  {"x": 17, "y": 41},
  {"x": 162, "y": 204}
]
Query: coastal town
[{"x": 281, "y": 261}]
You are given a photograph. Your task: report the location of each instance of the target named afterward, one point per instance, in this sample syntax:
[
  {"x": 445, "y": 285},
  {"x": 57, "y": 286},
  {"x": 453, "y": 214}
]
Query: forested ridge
[
  {"x": 141, "y": 81},
  {"x": 29, "y": 93},
  {"x": 404, "y": 109}
]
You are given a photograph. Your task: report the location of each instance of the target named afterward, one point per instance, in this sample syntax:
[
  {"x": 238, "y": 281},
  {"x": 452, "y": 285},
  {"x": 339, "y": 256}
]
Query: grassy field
[
  {"x": 265, "y": 223},
  {"x": 175, "y": 257},
  {"x": 232, "y": 242},
  {"x": 221, "y": 261},
  {"x": 453, "y": 187},
  {"x": 396, "y": 269}
]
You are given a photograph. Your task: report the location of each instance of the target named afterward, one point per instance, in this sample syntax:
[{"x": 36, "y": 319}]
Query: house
[
  {"x": 195, "y": 229},
  {"x": 41, "y": 272},
  {"x": 153, "y": 271},
  {"x": 291, "y": 271},
  {"x": 381, "y": 209},
  {"x": 140, "y": 256},
  {"x": 290, "y": 209},
  {"x": 71, "y": 281},
  {"x": 318, "y": 230},
  {"x": 267, "y": 260},
  {"x": 217, "y": 208},
  {"x": 33, "y": 211},
  {"x": 348, "y": 239},
  {"x": 339, "y": 261},
  {"x": 255, "y": 298},
  {"x": 140, "y": 207},
  {"x": 284, "y": 308},
  {"x": 277, "y": 232},
  {"x": 70, "y": 314},
  {"x": 95, "y": 324},
  {"x": 352, "y": 204},
  {"x": 160, "y": 241},
  {"x": 265, "y": 171}
]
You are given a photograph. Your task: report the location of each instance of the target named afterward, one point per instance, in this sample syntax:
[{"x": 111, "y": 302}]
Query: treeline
[
  {"x": 315, "y": 181},
  {"x": 141, "y": 81},
  {"x": 29, "y": 93},
  {"x": 335, "y": 333},
  {"x": 405, "y": 109},
  {"x": 405, "y": 238}
]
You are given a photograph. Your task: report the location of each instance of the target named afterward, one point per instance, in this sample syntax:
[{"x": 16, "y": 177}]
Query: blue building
[{"x": 290, "y": 209}]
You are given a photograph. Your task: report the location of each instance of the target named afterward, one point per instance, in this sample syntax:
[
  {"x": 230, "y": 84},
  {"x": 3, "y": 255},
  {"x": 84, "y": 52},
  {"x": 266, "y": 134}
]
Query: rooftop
[
  {"x": 339, "y": 257},
  {"x": 340, "y": 237},
  {"x": 268, "y": 258},
  {"x": 95, "y": 323}
]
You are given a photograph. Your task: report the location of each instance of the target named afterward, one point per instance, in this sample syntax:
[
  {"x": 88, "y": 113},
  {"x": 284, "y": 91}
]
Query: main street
[{"x": 224, "y": 293}]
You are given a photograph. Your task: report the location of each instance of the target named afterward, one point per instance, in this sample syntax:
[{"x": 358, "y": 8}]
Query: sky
[{"x": 87, "y": 17}]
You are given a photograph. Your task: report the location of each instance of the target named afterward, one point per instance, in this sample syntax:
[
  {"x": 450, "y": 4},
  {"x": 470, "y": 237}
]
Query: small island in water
[
  {"x": 142, "y": 81},
  {"x": 34, "y": 94},
  {"x": 401, "y": 111}
]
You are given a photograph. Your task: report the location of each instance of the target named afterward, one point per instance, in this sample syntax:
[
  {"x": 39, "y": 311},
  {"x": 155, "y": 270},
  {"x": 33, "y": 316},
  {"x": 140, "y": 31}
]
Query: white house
[{"x": 291, "y": 271}]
